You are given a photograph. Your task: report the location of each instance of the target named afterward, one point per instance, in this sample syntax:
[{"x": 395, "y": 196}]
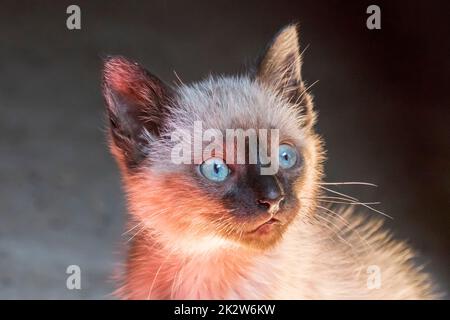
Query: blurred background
[{"x": 382, "y": 96}]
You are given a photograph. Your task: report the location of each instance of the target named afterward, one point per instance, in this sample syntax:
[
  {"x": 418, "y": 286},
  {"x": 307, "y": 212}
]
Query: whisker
[
  {"x": 339, "y": 193},
  {"x": 356, "y": 200},
  {"x": 304, "y": 50},
  {"x": 157, "y": 273},
  {"x": 335, "y": 198},
  {"x": 177, "y": 279},
  {"x": 305, "y": 91},
  {"x": 353, "y": 252},
  {"x": 330, "y": 199},
  {"x": 335, "y": 214},
  {"x": 350, "y": 203},
  {"x": 178, "y": 78},
  {"x": 336, "y": 232},
  {"x": 348, "y": 183},
  {"x": 134, "y": 227},
  {"x": 134, "y": 235}
]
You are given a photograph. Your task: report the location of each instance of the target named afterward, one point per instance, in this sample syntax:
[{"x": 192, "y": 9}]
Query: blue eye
[
  {"x": 214, "y": 169},
  {"x": 287, "y": 156}
]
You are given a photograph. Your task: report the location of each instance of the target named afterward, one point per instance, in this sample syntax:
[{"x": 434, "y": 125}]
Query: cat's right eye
[
  {"x": 215, "y": 169},
  {"x": 287, "y": 156}
]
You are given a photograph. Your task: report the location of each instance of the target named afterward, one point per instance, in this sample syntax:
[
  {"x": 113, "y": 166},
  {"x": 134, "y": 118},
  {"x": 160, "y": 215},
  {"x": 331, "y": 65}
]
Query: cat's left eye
[
  {"x": 215, "y": 169},
  {"x": 287, "y": 156}
]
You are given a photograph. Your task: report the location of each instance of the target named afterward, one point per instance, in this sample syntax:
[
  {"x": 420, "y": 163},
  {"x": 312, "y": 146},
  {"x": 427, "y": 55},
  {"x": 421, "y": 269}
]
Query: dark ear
[
  {"x": 280, "y": 70},
  {"x": 137, "y": 106}
]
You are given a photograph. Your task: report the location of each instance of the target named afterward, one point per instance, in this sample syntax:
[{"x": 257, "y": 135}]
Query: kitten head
[{"x": 209, "y": 198}]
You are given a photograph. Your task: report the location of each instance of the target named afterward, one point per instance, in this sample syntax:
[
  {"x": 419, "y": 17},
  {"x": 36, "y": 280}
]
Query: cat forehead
[{"x": 233, "y": 103}]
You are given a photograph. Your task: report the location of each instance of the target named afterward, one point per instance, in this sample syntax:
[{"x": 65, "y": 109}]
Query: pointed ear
[
  {"x": 280, "y": 70},
  {"x": 136, "y": 104}
]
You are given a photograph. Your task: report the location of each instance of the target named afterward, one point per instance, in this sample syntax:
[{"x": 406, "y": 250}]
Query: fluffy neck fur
[{"x": 313, "y": 261}]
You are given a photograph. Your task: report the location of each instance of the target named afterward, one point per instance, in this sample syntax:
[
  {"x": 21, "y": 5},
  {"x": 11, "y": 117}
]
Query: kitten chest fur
[{"x": 309, "y": 263}]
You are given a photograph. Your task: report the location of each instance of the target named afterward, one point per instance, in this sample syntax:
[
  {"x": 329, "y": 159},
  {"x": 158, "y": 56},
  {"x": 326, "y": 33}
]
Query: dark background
[{"x": 383, "y": 102}]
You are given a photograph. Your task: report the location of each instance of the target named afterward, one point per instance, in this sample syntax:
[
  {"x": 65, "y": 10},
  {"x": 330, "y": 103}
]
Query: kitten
[{"x": 219, "y": 230}]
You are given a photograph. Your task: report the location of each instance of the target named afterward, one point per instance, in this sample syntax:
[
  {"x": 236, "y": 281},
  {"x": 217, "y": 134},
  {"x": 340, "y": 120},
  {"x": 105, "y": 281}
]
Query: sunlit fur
[{"x": 187, "y": 245}]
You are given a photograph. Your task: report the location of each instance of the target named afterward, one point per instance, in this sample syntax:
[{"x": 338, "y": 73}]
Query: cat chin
[
  {"x": 264, "y": 237},
  {"x": 267, "y": 232},
  {"x": 260, "y": 240}
]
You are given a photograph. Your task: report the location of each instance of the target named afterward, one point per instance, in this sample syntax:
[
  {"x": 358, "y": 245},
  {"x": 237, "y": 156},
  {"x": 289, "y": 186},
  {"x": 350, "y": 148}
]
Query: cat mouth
[{"x": 267, "y": 226}]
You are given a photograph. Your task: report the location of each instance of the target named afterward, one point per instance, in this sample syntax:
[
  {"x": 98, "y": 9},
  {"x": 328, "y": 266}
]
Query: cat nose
[
  {"x": 271, "y": 202},
  {"x": 271, "y": 205},
  {"x": 268, "y": 191}
]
